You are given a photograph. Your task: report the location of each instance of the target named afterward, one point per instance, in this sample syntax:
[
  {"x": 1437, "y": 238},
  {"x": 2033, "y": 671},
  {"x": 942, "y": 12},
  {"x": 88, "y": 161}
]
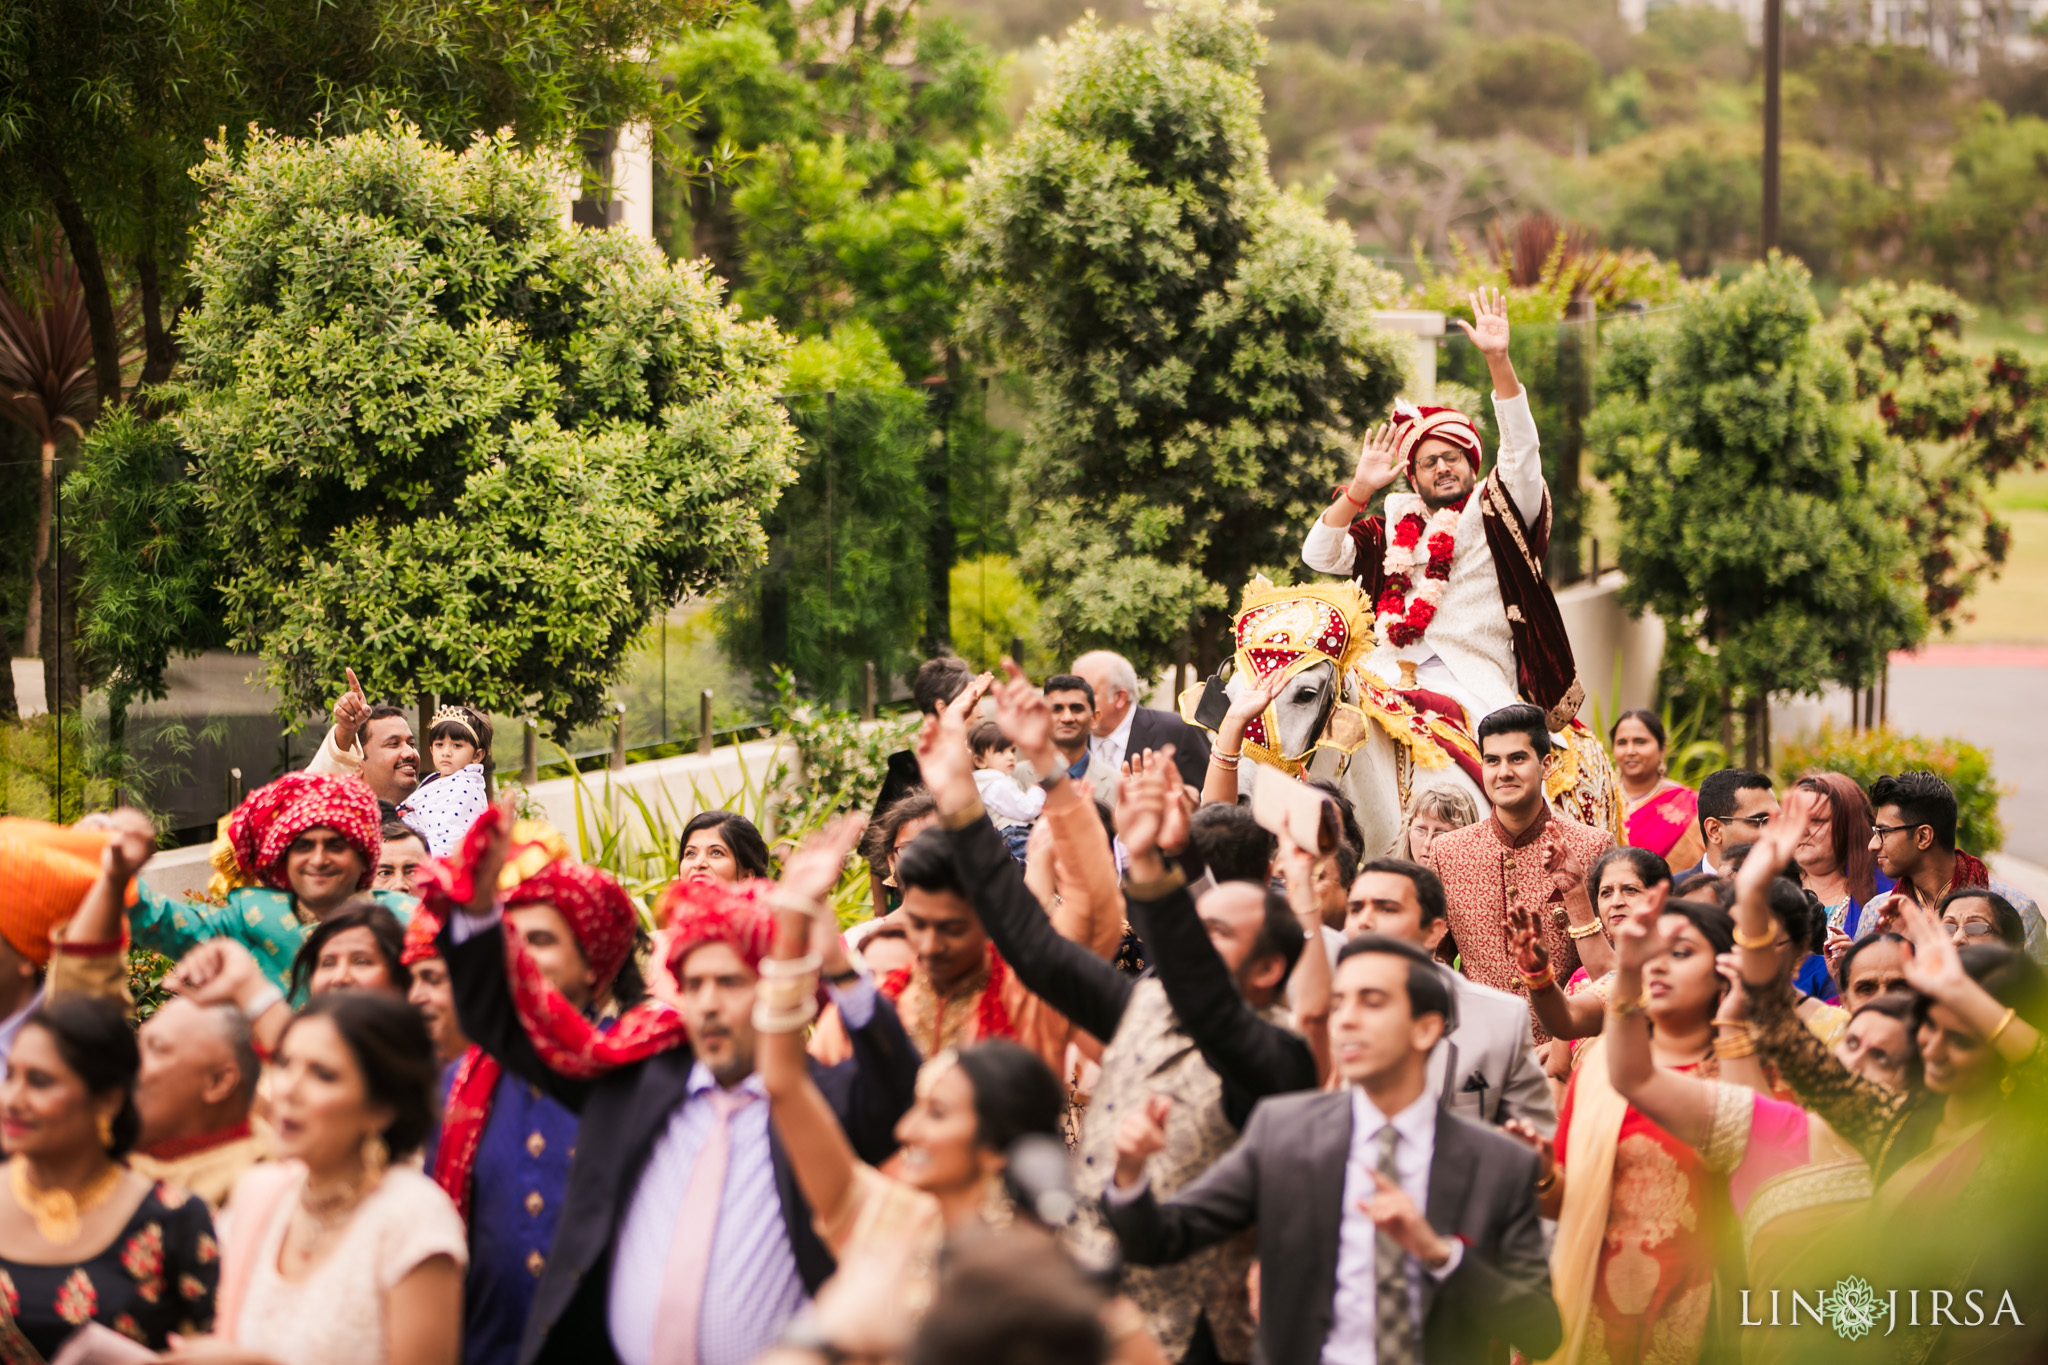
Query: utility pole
[{"x": 1774, "y": 62}]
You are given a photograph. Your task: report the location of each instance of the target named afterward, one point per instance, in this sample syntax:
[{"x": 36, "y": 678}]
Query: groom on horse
[
  {"x": 1463, "y": 613},
  {"x": 1466, "y": 628}
]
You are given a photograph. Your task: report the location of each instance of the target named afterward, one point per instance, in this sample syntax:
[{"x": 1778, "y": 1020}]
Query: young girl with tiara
[{"x": 449, "y": 799}]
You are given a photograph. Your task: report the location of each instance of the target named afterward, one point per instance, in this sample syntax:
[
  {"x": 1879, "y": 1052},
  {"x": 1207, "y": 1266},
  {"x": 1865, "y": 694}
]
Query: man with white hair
[{"x": 1124, "y": 729}]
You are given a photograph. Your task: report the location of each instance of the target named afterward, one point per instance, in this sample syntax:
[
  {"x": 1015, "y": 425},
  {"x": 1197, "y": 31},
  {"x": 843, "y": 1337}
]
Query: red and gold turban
[
  {"x": 262, "y": 828},
  {"x": 1413, "y": 426},
  {"x": 419, "y": 937},
  {"x": 701, "y": 911}
]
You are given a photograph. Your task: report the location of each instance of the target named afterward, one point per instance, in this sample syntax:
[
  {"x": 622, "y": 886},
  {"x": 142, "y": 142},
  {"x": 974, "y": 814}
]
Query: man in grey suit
[
  {"x": 1390, "y": 1231},
  {"x": 1486, "y": 1067}
]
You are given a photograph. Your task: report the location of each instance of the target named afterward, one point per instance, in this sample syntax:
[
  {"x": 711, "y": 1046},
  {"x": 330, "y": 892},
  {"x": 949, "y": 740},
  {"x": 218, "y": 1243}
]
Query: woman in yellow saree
[
  {"x": 1642, "y": 1221},
  {"x": 1791, "y": 1181}
]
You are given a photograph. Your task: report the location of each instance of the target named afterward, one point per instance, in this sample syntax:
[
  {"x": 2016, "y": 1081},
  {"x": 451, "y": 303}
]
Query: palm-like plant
[{"x": 46, "y": 378}]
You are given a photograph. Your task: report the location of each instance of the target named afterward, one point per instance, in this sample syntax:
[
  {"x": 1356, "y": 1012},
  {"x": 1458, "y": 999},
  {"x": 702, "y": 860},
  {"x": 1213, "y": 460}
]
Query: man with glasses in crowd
[
  {"x": 1734, "y": 804},
  {"x": 1913, "y": 835}
]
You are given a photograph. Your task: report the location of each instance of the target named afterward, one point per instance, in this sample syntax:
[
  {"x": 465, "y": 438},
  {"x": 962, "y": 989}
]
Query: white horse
[{"x": 1332, "y": 720}]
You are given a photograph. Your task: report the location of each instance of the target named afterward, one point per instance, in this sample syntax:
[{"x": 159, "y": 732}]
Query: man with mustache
[
  {"x": 374, "y": 743},
  {"x": 1465, "y": 622}
]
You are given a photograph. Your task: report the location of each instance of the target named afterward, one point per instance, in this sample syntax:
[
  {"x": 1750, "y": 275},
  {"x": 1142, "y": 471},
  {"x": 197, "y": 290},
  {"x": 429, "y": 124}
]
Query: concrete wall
[{"x": 1617, "y": 655}]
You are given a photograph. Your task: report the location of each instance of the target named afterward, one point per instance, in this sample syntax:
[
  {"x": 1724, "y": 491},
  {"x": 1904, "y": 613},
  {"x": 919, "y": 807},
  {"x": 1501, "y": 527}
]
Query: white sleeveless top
[{"x": 336, "y": 1315}]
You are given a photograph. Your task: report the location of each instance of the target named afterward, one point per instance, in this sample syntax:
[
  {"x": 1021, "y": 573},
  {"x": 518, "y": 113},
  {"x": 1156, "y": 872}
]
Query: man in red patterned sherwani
[{"x": 1522, "y": 854}]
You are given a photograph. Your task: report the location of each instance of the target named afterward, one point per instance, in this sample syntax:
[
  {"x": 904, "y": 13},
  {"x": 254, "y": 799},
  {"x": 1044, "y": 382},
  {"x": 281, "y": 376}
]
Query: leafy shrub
[
  {"x": 1870, "y": 754},
  {"x": 844, "y": 759}
]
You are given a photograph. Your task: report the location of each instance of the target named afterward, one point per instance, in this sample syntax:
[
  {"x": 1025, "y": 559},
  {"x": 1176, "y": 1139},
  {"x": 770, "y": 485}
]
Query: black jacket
[
  {"x": 1286, "y": 1175},
  {"x": 622, "y": 1113},
  {"x": 1252, "y": 1057},
  {"x": 1155, "y": 729}
]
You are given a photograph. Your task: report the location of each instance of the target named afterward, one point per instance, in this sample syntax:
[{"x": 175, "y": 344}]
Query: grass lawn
[{"x": 2013, "y": 609}]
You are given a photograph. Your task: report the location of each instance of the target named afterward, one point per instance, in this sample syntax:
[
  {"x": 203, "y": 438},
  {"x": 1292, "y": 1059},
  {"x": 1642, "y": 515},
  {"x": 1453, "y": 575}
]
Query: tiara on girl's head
[{"x": 456, "y": 715}]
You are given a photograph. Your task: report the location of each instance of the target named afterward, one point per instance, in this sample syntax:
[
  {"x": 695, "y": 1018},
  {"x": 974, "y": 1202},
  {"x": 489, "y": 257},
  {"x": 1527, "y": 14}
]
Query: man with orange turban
[
  {"x": 301, "y": 847},
  {"x": 45, "y": 871}
]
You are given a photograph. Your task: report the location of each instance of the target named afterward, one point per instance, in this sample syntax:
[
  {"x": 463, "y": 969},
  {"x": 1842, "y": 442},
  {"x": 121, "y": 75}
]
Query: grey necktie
[{"x": 1395, "y": 1337}]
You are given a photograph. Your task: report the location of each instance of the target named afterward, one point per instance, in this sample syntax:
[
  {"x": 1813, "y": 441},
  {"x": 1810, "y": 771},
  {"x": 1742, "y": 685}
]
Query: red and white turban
[
  {"x": 700, "y": 912},
  {"x": 262, "y": 828},
  {"x": 1413, "y": 426}
]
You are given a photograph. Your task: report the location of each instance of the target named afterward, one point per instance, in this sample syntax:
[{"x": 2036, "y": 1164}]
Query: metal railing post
[
  {"x": 867, "y": 695},
  {"x": 618, "y": 737},
  {"x": 704, "y": 721}
]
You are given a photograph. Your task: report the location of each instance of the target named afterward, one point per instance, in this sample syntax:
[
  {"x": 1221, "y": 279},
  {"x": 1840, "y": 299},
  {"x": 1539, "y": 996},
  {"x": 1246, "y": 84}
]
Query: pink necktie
[{"x": 689, "y": 1255}]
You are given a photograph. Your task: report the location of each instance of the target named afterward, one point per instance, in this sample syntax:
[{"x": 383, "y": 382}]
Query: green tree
[
  {"x": 105, "y": 104},
  {"x": 845, "y": 572},
  {"x": 1199, "y": 345},
  {"x": 1761, "y": 506},
  {"x": 1540, "y": 85},
  {"x": 1983, "y": 235},
  {"x": 446, "y": 441},
  {"x": 857, "y": 120},
  {"x": 1883, "y": 103},
  {"x": 1961, "y": 419},
  {"x": 1694, "y": 194}
]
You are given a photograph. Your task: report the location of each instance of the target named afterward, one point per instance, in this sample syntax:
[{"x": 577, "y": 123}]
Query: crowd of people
[
  {"x": 1142, "y": 1077},
  {"x": 1118, "y": 1066}
]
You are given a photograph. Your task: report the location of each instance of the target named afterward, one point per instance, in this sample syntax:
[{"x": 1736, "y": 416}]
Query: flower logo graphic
[{"x": 1853, "y": 1308}]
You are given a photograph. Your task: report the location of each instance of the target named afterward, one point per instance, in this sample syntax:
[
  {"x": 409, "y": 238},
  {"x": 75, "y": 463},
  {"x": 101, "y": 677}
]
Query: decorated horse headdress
[{"x": 1280, "y": 632}]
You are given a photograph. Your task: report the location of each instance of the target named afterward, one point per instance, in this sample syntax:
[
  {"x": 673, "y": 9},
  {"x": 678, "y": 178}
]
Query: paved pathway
[{"x": 1994, "y": 697}]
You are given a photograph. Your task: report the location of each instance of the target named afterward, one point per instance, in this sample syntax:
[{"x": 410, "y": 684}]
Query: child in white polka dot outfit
[{"x": 457, "y": 791}]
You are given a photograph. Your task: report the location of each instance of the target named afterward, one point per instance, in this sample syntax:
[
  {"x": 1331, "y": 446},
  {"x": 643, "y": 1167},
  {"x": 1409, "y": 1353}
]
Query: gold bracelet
[
  {"x": 1736, "y": 1048},
  {"x": 1548, "y": 1182},
  {"x": 1583, "y": 930},
  {"x": 1228, "y": 762},
  {"x": 2003, "y": 1025},
  {"x": 1769, "y": 940},
  {"x": 1622, "y": 1009},
  {"x": 1540, "y": 983}
]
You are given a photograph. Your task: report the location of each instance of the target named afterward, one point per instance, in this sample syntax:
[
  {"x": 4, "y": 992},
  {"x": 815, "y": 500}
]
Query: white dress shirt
[
  {"x": 1354, "y": 1314},
  {"x": 1115, "y": 746}
]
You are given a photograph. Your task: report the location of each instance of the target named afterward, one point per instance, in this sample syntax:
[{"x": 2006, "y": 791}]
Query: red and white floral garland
[{"x": 1415, "y": 543}]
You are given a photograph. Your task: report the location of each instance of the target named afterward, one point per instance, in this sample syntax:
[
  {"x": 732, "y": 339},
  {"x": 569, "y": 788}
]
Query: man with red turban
[
  {"x": 1462, "y": 610},
  {"x": 503, "y": 1152},
  {"x": 298, "y": 849},
  {"x": 651, "y": 1264}
]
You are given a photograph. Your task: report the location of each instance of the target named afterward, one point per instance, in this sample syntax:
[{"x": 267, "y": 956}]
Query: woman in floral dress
[{"x": 83, "y": 1238}]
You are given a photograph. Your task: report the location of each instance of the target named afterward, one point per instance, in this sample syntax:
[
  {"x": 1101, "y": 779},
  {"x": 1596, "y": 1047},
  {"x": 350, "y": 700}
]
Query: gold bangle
[
  {"x": 1583, "y": 930},
  {"x": 1228, "y": 762},
  {"x": 2003, "y": 1025},
  {"x": 1540, "y": 983},
  {"x": 1734, "y": 1049},
  {"x": 1622, "y": 1009},
  {"x": 1548, "y": 1182},
  {"x": 1769, "y": 940}
]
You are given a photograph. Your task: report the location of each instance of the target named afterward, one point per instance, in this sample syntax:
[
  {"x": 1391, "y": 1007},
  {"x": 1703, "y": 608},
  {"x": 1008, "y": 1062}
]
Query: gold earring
[
  {"x": 376, "y": 1156},
  {"x": 106, "y": 1127}
]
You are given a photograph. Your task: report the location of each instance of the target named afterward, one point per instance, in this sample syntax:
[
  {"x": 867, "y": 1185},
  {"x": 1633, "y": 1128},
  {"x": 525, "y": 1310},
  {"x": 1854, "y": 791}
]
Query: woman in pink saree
[{"x": 1663, "y": 815}]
